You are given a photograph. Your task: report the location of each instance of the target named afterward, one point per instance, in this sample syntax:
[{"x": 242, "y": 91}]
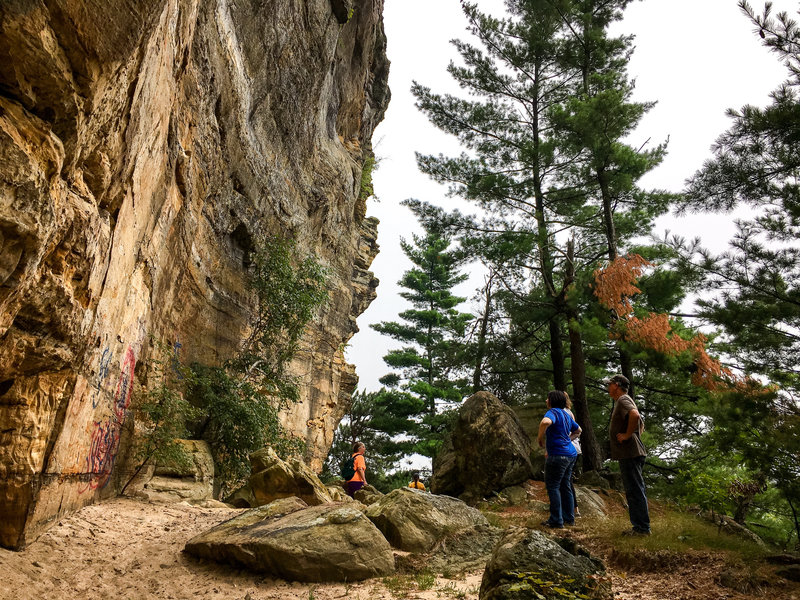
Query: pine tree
[
  {"x": 594, "y": 124},
  {"x": 548, "y": 111},
  {"x": 378, "y": 420},
  {"x": 753, "y": 290},
  {"x": 514, "y": 80},
  {"x": 429, "y": 366}
]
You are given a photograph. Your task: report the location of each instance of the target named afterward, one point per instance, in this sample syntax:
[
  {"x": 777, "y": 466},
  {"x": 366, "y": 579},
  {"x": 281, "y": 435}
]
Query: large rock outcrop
[
  {"x": 487, "y": 451},
  {"x": 144, "y": 146},
  {"x": 189, "y": 482},
  {"x": 272, "y": 478},
  {"x": 330, "y": 542}
]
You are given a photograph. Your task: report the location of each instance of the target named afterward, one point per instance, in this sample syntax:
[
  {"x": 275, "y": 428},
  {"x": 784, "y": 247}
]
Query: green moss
[{"x": 555, "y": 586}]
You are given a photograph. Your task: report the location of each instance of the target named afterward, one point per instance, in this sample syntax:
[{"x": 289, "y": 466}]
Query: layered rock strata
[{"x": 143, "y": 147}]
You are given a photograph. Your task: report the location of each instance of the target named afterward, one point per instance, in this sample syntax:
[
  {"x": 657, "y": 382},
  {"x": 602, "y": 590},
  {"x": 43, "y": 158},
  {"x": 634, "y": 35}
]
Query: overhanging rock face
[{"x": 143, "y": 147}]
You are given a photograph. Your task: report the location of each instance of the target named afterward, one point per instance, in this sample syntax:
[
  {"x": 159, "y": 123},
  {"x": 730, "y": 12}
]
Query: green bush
[
  {"x": 162, "y": 411},
  {"x": 237, "y": 420},
  {"x": 241, "y": 400},
  {"x": 236, "y": 407}
]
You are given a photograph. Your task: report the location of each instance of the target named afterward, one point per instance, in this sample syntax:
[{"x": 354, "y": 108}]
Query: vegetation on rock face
[
  {"x": 162, "y": 412},
  {"x": 236, "y": 407},
  {"x": 366, "y": 189}
]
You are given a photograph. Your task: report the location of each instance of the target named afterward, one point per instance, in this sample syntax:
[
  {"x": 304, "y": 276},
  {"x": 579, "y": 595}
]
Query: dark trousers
[
  {"x": 558, "y": 481},
  {"x": 351, "y": 487},
  {"x": 631, "y": 470}
]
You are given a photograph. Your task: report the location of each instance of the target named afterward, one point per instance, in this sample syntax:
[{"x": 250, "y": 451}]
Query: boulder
[
  {"x": 515, "y": 495},
  {"x": 368, "y": 495},
  {"x": 589, "y": 503},
  {"x": 487, "y": 451},
  {"x": 192, "y": 481},
  {"x": 273, "y": 478},
  {"x": 527, "y": 564},
  {"x": 593, "y": 479},
  {"x": 606, "y": 480},
  {"x": 287, "y": 539},
  {"x": 459, "y": 553},
  {"x": 337, "y": 493},
  {"x": 415, "y": 521}
]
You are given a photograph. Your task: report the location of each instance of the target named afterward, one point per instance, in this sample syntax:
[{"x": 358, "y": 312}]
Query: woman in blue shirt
[{"x": 559, "y": 429}]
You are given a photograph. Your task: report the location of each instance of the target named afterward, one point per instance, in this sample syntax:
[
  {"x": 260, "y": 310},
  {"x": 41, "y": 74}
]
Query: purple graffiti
[
  {"x": 176, "y": 358},
  {"x": 102, "y": 373}
]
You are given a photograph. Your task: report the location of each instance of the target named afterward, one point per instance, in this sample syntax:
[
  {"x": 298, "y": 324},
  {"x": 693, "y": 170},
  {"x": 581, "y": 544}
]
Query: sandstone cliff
[{"x": 143, "y": 146}]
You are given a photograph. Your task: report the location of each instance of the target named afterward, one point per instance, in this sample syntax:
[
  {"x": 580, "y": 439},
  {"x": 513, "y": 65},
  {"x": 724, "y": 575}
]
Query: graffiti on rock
[{"x": 105, "y": 434}]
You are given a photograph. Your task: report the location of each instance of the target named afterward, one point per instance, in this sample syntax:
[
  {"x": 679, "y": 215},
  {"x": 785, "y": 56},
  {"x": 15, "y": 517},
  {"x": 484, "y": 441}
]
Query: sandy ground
[{"x": 126, "y": 548}]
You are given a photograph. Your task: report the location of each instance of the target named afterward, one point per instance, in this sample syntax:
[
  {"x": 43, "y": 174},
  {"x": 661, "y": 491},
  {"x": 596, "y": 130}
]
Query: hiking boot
[
  {"x": 551, "y": 525},
  {"x": 635, "y": 532}
]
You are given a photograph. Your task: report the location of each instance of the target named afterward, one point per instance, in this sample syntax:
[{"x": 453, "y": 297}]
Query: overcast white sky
[{"x": 696, "y": 58}]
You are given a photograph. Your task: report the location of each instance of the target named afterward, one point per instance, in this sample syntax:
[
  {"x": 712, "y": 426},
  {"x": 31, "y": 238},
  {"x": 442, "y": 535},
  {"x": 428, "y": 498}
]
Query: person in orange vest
[
  {"x": 416, "y": 483},
  {"x": 359, "y": 478}
]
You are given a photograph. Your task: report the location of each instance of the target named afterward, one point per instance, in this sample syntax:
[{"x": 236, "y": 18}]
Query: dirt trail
[{"x": 130, "y": 549}]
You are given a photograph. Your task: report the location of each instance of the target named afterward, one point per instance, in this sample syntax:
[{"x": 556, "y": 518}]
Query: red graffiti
[{"x": 106, "y": 433}]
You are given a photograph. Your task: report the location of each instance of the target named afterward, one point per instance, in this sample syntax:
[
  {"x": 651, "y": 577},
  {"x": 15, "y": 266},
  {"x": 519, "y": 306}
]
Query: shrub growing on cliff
[
  {"x": 289, "y": 290},
  {"x": 241, "y": 401},
  {"x": 237, "y": 420},
  {"x": 162, "y": 412}
]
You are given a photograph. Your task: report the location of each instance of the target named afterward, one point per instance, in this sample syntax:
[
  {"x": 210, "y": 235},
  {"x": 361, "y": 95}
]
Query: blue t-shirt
[{"x": 557, "y": 434}]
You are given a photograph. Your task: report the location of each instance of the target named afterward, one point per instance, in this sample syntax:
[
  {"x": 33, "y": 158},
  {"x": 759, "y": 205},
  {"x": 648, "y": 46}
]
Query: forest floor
[{"x": 127, "y": 548}]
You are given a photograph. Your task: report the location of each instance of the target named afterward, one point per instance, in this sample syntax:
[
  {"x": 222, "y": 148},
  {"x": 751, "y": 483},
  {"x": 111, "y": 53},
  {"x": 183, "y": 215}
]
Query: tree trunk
[
  {"x": 592, "y": 455},
  {"x": 557, "y": 354},
  {"x": 625, "y": 361},
  {"x": 625, "y": 364},
  {"x": 543, "y": 244},
  {"x": 477, "y": 374}
]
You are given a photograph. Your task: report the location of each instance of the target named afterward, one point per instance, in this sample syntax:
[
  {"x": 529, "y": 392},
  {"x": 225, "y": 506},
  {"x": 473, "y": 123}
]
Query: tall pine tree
[
  {"x": 754, "y": 288},
  {"x": 430, "y": 365},
  {"x": 548, "y": 111}
]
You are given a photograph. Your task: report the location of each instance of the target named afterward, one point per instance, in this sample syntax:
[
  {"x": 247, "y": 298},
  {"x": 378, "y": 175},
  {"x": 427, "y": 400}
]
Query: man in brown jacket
[{"x": 627, "y": 448}]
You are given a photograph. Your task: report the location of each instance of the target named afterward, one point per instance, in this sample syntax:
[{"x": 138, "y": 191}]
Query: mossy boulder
[
  {"x": 368, "y": 495},
  {"x": 273, "y": 478},
  {"x": 526, "y": 564}
]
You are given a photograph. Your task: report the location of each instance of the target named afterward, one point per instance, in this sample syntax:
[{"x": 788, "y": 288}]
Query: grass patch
[
  {"x": 425, "y": 579},
  {"x": 450, "y": 590},
  {"x": 677, "y": 538},
  {"x": 397, "y": 585}
]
